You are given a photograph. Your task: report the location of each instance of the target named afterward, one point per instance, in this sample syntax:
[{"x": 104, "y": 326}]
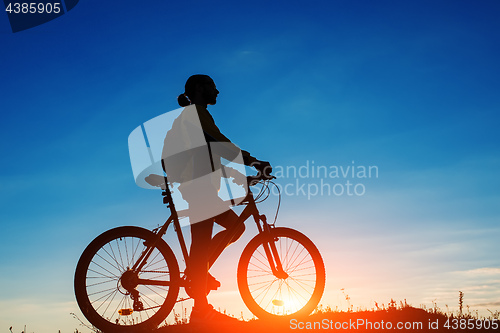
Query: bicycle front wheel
[
  {"x": 114, "y": 297},
  {"x": 296, "y": 293}
]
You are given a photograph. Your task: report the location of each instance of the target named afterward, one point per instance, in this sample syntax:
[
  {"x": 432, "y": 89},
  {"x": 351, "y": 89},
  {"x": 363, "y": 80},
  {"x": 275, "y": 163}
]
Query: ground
[{"x": 407, "y": 319}]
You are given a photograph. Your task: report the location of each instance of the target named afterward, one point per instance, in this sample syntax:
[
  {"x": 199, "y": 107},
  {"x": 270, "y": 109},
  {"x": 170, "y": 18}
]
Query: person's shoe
[
  {"x": 212, "y": 283},
  {"x": 208, "y": 315}
]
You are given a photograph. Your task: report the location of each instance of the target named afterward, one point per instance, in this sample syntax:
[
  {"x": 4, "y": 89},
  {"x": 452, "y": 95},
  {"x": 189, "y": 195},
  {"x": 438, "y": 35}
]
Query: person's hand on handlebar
[
  {"x": 264, "y": 169},
  {"x": 264, "y": 172}
]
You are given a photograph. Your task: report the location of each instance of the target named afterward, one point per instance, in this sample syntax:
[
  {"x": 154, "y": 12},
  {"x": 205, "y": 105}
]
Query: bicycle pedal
[
  {"x": 212, "y": 283},
  {"x": 277, "y": 302},
  {"x": 125, "y": 312}
]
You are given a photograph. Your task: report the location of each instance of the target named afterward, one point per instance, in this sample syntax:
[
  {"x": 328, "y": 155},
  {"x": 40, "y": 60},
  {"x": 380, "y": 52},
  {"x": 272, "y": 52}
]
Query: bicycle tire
[
  {"x": 98, "y": 281},
  {"x": 267, "y": 296}
]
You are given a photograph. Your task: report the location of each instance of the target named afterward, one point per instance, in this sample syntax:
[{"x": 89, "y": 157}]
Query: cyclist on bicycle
[{"x": 200, "y": 91}]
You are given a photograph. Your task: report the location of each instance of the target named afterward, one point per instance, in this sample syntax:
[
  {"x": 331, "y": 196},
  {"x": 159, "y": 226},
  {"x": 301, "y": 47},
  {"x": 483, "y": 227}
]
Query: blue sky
[{"x": 411, "y": 88}]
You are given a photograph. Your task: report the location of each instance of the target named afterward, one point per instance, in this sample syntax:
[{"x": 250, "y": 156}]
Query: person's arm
[{"x": 213, "y": 134}]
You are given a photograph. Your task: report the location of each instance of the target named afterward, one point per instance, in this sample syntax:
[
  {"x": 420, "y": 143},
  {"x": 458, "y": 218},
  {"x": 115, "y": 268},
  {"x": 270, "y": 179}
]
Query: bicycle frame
[
  {"x": 128, "y": 278},
  {"x": 250, "y": 210}
]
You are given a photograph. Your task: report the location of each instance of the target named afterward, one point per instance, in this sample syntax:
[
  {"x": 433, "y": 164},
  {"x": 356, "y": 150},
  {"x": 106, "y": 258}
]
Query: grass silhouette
[{"x": 393, "y": 317}]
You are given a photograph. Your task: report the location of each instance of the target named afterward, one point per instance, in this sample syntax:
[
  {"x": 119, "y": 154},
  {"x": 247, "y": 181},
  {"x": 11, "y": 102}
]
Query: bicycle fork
[{"x": 270, "y": 249}]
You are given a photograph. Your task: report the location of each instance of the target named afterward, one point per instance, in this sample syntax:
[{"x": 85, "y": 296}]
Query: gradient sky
[{"x": 409, "y": 87}]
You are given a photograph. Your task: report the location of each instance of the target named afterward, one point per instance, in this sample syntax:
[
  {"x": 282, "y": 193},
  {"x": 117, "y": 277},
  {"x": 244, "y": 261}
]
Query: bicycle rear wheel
[
  {"x": 111, "y": 295},
  {"x": 295, "y": 294}
]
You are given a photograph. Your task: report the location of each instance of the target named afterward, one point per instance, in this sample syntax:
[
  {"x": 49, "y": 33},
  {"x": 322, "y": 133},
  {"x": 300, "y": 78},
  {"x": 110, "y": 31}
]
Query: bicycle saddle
[{"x": 156, "y": 180}]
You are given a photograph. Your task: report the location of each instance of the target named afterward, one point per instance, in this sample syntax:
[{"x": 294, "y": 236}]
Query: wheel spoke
[
  {"x": 112, "y": 256},
  {"x": 119, "y": 253},
  {"x": 264, "y": 264},
  {"x": 113, "y": 277},
  {"x": 103, "y": 269},
  {"x": 256, "y": 283},
  {"x": 102, "y": 291}
]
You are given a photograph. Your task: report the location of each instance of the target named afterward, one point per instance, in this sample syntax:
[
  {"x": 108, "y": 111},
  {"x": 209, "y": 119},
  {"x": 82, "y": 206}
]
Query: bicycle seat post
[
  {"x": 167, "y": 197},
  {"x": 174, "y": 217}
]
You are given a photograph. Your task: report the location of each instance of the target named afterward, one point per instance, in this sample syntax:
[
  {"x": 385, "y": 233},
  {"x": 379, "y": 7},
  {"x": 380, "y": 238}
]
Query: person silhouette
[{"x": 198, "y": 174}]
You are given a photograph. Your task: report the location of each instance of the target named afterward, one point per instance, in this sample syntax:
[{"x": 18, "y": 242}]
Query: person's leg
[
  {"x": 201, "y": 235},
  {"x": 202, "y": 312},
  {"x": 228, "y": 220}
]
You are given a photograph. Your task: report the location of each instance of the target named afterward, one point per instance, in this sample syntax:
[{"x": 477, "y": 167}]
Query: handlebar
[
  {"x": 261, "y": 177},
  {"x": 252, "y": 180}
]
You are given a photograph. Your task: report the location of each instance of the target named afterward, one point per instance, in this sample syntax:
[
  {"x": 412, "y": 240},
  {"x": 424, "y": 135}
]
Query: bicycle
[{"x": 128, "y": 278}]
